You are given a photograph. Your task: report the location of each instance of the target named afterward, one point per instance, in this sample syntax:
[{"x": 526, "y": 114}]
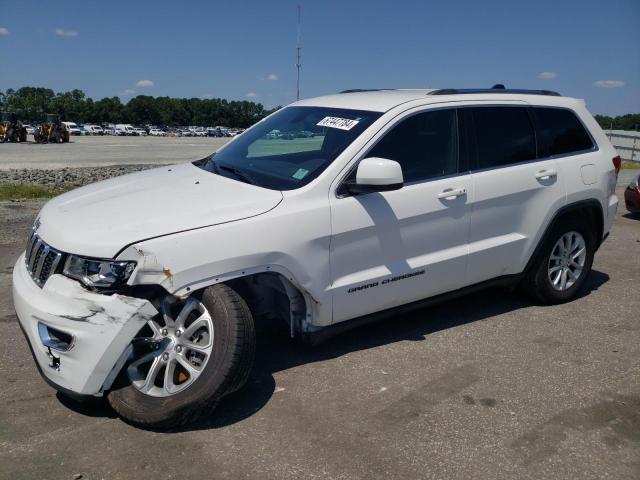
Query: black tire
[
  {"x": 226, "y": 371},
  {"x": 537, "y": 283}
]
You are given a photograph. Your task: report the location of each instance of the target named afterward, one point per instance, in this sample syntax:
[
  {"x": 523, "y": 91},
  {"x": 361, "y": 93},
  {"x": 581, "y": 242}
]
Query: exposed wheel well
[{"x": 271, "y": 295}]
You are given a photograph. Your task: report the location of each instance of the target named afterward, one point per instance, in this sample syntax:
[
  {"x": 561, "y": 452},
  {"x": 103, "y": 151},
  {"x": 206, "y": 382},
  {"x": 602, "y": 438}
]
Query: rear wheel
[
  {"x": 183, "y": 363},
  {"x": 563, "y": 262}
]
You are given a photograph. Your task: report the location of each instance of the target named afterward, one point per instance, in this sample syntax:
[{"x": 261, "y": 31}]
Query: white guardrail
[{"x": 627, "y": 143}]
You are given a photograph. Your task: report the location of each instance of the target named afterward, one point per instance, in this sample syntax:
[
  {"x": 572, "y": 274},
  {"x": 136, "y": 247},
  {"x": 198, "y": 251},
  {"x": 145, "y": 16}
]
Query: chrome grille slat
[
  {"x": 34, "y": 253},
  {"x": 30, "y": 243},
  {"x": 55, "y": 263},
  {"x": 41, "y": 260}
]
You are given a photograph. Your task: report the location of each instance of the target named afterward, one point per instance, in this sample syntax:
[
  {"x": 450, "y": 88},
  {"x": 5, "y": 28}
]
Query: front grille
[{"x": 42, "y": 261}]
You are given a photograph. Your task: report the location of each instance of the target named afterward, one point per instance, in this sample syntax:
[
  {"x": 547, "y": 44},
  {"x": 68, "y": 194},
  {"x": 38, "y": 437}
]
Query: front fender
[{"x": 188, "y": 261}]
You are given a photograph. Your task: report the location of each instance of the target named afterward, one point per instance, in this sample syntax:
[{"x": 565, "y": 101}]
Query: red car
[{"x": 632, "y": 196}]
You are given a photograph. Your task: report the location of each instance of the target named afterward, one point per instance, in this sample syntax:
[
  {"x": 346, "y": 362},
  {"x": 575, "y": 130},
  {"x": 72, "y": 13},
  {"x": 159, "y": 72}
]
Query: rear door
[{"x": 515, "y": 192}]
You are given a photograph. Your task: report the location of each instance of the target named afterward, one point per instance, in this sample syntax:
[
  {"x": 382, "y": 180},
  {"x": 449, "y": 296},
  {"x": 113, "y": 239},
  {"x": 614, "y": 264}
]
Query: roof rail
[
  {"x": 356, "y": 90},
  {"x": 498, "y": 90}
]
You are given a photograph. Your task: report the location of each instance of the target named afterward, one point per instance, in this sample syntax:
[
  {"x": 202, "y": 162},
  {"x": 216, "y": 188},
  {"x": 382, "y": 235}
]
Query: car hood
[{"x": 100, "y": 219}]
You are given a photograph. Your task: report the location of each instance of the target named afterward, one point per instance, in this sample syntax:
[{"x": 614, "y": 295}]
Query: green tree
[{"x": 74, "y": 105}]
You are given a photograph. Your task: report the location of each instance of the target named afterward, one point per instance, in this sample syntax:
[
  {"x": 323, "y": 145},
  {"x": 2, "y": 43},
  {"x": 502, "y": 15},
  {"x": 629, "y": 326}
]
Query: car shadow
[{"x": 276, "y": 352}]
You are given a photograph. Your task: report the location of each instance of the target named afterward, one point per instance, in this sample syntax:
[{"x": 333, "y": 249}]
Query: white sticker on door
[{"x": 337, "y": 122}]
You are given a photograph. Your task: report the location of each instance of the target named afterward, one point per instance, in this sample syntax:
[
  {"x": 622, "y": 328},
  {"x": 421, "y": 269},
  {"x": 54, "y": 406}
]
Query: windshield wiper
[{"x": 237, "y": 172}]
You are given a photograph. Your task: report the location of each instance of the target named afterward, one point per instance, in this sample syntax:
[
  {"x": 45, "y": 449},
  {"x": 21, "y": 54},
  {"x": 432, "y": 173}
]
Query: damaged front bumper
[{"x": 77, "y": 337}]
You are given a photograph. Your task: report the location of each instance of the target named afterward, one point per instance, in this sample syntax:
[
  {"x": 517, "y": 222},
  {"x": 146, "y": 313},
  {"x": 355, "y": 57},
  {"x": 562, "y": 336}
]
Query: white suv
[{"x": 145, "y": 287}]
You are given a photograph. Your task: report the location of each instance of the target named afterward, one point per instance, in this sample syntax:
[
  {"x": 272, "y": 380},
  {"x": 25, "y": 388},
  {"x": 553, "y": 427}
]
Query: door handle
[
  {"x": 451, "y": 193},
  {"x": 546, "y": 174}
]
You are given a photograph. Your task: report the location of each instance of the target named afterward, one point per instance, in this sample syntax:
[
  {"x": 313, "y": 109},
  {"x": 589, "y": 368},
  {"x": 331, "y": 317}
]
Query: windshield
[{"x": 291, "y": 147}]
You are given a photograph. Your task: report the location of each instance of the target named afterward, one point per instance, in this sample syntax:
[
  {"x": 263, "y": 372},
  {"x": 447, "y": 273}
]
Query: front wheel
[
  {"x": 563, "y": 263},
  {"x": 185, "y": 361}
]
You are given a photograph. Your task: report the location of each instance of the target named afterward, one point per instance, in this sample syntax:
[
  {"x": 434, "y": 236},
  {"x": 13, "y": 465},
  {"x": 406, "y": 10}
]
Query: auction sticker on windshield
[{"x": 337, "y": 122}]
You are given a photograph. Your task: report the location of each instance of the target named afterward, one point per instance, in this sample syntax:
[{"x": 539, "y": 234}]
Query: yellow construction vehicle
[
  {"x": 11, "y": 129},
  {"x": 51, "y": 130}
]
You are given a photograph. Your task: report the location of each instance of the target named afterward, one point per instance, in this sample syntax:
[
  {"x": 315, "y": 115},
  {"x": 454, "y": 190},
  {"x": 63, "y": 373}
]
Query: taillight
[{"x": 617, "y": 164}]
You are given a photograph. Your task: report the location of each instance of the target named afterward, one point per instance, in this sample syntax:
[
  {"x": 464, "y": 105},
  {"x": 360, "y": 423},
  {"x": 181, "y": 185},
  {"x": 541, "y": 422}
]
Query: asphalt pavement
[
  {"x": 489, "y": 386},
  {"x": 94, "y": 151}
]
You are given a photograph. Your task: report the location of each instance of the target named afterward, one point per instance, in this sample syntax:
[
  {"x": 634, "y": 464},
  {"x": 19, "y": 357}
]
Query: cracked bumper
[{"x": 102, "y": 327}]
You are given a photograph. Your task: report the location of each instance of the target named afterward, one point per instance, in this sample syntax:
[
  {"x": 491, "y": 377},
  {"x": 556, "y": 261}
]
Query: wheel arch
[
  {"x": 271, "y": 292},
  {"x": 589, "y": 209}
]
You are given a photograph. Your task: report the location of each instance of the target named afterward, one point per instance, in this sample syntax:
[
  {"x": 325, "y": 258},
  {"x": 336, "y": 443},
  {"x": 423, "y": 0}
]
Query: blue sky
[{"x": 246, "y": 49}]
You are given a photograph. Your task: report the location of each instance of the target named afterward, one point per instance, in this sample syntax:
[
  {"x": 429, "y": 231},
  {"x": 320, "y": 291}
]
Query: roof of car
[{"x": 382, "y": 100}]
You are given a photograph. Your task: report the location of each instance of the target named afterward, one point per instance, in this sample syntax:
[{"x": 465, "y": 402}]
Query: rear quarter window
[{"x": 559, "y": 132}]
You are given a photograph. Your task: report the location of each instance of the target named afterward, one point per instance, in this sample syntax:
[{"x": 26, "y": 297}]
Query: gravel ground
[
  {"x": 67, "y": 176},
  {"x": 490, "y": 386}
]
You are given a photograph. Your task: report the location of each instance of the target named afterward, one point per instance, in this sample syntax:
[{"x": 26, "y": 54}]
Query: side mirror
[{"x": 376, "y": 175}]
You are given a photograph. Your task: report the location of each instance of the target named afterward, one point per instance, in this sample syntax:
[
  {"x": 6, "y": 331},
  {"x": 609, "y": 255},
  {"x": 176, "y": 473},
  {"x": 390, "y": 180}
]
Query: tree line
[
  {"x": 30, "y": 102},
  {"x": 630, "y": 121}
]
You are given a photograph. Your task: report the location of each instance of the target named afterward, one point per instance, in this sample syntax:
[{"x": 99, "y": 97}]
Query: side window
[
  {"x": 425, "y": 145},
  {"x": 504, "y": 135},
  {"x": 559, "y": 132}
]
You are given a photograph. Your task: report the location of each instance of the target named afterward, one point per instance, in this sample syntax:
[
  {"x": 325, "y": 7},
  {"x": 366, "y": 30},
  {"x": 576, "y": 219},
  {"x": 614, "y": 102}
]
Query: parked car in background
[
  {"x": 214, "y": 132},
  {"x": 125, "y": 129},
  {"x": 141, "y": 132},
  {"x": 73, "y": 128},
  {"x": 94, "y": 129},
  {"x": 156, "y": 132},
  {"x": 30, "y": 128},
  {"x": 632, "y": 196}
]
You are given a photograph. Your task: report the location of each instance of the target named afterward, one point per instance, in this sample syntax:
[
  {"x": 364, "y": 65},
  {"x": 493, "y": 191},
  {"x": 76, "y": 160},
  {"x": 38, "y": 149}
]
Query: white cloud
[
  {"x": 609, "y": 83},
  {"x": 251, "y": 95},
  {"x": 128, "y": 91},
  {"x": 4, "y": 31},
  {"x": 144, "y": 83},
  {"x": 61, "y": 32},
  {"x": 547, "y": 75},
  {"x": 270, "y": 77}
]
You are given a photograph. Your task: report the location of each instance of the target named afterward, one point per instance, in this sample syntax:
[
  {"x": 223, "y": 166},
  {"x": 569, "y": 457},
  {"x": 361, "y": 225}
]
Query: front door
[{"x": 392, "y": 248}]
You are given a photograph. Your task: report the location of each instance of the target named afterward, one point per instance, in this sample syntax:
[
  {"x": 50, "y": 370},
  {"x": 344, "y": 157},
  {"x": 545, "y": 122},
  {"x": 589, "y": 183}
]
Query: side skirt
[{"x": 320, "y": 336}]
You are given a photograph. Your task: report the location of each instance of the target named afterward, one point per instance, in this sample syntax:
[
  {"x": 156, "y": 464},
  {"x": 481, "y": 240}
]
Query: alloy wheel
[
  {"x": 567, "y": 260},
  {"x": 172, "y": 351}
]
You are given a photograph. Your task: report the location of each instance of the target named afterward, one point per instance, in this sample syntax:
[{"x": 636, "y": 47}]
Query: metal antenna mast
[{"x": 298, "y": 48}]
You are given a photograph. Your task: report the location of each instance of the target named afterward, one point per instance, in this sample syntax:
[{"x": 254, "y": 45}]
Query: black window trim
[
  {"x": 467, "y": 143},
  {"x": 474, "y": 160},
  {"x": 401, "y": 117}
]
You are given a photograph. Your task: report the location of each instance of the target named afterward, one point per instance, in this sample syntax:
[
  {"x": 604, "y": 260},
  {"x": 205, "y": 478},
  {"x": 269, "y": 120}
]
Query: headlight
[{"x": 98, "y": 273}]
